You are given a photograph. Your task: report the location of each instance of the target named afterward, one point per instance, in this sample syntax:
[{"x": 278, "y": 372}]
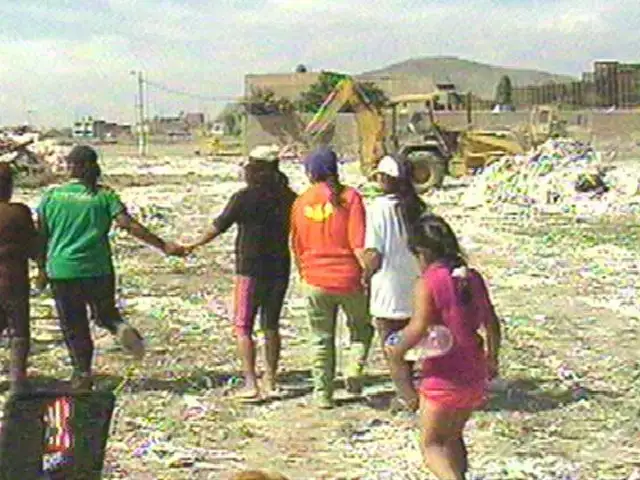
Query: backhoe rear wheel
[{"x": 429, "y": 170}]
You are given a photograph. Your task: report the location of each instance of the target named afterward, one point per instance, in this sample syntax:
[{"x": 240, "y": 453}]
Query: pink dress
[{"x": 457, "y": 380}]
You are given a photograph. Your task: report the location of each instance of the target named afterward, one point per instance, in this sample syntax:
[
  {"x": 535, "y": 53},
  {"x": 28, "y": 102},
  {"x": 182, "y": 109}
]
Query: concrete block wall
[{"x": 621, "y": 127}]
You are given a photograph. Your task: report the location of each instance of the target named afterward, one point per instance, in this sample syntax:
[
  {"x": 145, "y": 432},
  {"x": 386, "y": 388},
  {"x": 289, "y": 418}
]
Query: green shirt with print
[{"x": 77, "y": 223}]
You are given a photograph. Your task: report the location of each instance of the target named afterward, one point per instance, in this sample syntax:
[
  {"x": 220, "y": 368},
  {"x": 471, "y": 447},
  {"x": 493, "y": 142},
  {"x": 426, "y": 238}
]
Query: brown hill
[{"x": 468, "y": 75}]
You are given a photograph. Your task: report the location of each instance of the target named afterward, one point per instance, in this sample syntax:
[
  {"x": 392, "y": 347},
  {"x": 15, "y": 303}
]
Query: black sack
[{"x": 55, "y": 435}]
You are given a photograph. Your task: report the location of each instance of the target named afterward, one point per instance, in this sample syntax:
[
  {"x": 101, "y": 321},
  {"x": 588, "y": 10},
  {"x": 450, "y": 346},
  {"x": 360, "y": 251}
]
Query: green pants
[{"x": 322, "y": 310}]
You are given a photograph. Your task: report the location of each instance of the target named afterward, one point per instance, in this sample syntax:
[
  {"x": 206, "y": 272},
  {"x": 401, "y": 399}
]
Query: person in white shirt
[{"x": 390, "y": 268}]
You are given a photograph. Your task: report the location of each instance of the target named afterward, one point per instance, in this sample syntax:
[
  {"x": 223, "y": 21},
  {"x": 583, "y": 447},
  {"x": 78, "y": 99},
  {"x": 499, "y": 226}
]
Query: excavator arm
[{"x": 369, "y": 120}]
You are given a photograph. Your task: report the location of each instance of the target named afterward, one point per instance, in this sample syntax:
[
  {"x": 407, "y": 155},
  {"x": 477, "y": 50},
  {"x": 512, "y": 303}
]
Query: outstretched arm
[
  {"x": 208, "y": 236},
  {"x": 231, "y": 214},
  {"x": 135, "y": 228}
]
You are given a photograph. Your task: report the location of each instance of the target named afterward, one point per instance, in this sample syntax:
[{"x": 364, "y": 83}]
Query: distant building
[
  {"x": 610, "y": 84},
  {"x": 177, "y": 126},
  {"x": 88, "y": 128},
  {"x": 194, "y": 120}
]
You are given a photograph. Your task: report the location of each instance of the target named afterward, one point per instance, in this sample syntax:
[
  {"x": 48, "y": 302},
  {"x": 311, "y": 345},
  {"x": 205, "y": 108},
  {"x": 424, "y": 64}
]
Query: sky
[{"x": 63, "y": 59}]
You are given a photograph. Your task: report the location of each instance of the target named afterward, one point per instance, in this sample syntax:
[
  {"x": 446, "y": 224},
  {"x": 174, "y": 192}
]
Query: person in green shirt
[{"x": 74, "y": 220}]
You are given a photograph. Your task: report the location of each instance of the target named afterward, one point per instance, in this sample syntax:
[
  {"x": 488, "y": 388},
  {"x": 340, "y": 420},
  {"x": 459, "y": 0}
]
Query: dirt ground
[{"x": 567, "y": 291}]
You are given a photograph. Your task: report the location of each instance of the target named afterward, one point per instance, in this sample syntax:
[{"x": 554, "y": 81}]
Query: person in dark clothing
[
  {"x": 263, "y": 262},
  {"x": 74, "y": 220},
  {"x": 18, "y": 243}
]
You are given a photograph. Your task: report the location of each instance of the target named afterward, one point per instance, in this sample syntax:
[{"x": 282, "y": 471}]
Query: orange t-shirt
[{"x": 325, "y": 237}]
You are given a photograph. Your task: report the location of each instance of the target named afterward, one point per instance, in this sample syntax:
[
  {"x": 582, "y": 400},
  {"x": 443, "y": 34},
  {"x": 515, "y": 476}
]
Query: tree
[
  {"x": 231, "y": 116},
  {"x": 311, "y": 100},
  {"x": 301, "y": 68},
  {"x": 504, "y": 91},
  {"x": 263, "y": 101}
]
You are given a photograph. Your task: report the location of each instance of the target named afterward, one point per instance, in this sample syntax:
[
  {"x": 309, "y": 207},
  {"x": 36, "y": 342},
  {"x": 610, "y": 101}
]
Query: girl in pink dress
[{"x": 449, "y": 293}]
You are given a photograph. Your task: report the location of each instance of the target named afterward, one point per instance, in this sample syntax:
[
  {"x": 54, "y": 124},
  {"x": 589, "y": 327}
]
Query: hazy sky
[{"x": 62, "y": 59}]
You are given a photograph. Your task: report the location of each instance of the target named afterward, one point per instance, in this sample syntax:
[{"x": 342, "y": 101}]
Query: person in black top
[{"x": 262, "y": 213}]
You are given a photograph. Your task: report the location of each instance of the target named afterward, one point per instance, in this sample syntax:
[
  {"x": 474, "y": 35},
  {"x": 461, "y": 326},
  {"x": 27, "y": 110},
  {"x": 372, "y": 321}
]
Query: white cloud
[{"x": 78, "y": 59}]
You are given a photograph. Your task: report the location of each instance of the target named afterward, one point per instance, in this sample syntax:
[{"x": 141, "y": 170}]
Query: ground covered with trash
[{"x": 566, "y": 285}]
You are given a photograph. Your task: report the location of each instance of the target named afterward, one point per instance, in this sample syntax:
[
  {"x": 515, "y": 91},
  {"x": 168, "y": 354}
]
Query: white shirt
[{"x": 391, "y": 286}]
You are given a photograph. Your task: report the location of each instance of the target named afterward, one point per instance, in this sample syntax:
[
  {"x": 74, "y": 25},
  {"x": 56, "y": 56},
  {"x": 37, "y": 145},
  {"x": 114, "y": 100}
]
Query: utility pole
[{"x": 142, "y": 127}]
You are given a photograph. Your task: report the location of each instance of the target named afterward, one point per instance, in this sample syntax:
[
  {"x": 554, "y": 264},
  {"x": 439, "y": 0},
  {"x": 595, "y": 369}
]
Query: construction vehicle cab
[
  {"x": 435, "y": 151},
  {"x": 423, "y": 142},
  {"x": 544, "y": 123}
]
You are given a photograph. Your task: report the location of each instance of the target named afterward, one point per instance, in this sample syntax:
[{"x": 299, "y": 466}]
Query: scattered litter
[{"x": 561, "y": 175}]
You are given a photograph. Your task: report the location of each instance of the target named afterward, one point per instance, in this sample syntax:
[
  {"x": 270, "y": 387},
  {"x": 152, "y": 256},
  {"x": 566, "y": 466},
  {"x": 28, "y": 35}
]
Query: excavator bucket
[
  {"x": 479, "y": 148},
  {"x": 368, "y": 119}
]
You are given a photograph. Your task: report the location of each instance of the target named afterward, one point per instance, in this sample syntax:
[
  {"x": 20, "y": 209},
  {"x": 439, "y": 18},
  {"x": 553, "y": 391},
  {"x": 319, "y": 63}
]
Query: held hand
[
  {"x": 188, "y": 248},
  {"x": 174, "y": 250}
]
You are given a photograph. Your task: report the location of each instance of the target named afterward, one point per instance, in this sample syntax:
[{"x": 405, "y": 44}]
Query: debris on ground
[
  {"x": 561, "y": 175},
  {"x": 33, "y": 158},
  {"x": 565, "y": 407}
]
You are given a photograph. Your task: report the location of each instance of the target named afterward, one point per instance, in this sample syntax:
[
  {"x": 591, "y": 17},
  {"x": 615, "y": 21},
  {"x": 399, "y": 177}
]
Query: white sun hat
[{"x": 389, "y": 166}]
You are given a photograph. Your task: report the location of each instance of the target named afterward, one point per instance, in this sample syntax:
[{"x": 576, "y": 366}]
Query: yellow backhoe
[
  {"x": 434, "y": 151},
  {"x": 369, "y": 119}
]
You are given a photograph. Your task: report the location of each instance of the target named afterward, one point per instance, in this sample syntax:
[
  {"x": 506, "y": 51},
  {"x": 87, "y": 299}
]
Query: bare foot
[
  {"x": 249, "y": 395},
  {"x": 270, "y": 382},
  {"x": 271, "y": 386}
]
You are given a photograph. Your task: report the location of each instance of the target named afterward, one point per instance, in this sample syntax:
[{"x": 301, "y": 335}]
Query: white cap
[
  {"x": 389, "y": 166},
  {"x": 265, "y": 153}
]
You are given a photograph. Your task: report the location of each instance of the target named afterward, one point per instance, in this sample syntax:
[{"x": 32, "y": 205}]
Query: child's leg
[
  {"x": 15, "y": 314},
  {"x": 441, "y": 430},
  {"x": 322, "y": 309},
  {"x": 460, "y": 449},
  {"x": 361, "y": 332},
  {"x": 245, "y": 309},
  {"x": 71, "y": 306},
  {"x": 401, "y": 371},
  {"x": 272, "y": 294}
]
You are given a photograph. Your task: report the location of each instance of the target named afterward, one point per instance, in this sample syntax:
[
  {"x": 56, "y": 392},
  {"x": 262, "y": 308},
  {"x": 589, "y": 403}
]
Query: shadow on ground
[{"x": 525, "y": 395}]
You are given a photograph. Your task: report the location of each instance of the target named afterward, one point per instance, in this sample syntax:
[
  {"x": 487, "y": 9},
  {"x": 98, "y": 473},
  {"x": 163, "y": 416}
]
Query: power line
[{"x": 183, "y": 93}]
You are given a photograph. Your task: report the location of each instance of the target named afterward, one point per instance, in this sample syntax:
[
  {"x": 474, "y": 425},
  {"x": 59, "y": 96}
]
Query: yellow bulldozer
[
  {"x": 214, "y": 142},
  {"x": 544, "y": 123},
  {"x": 434, "y": 151}
]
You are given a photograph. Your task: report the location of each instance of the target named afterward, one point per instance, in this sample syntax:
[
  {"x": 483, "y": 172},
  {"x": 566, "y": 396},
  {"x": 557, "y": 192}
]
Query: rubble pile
[
  {"x": 52, "y": 153},
  {"x": 32, "y": 155},
  {"x": 561, "y": 174}
]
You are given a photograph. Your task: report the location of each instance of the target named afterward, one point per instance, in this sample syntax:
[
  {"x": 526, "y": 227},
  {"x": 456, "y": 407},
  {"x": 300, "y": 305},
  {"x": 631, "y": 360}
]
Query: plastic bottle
[{"x": 436, "y": 343}]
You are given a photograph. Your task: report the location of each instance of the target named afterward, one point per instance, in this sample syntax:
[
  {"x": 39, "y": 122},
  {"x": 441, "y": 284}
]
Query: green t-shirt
[{"x": 77, "y": 224}]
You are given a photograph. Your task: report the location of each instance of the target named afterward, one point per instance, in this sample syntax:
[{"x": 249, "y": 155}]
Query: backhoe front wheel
[{"x": 429, "y": 170}]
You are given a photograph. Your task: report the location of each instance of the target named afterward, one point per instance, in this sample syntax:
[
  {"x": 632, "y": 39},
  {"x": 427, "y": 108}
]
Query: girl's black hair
[
  {"x": 266, "y": 176},
  {"x": 412, "y": 207},
  {"x": 336, "y": 188},
  {"x": 84, "y": 161},
  {"x": 433, "y": 234}
]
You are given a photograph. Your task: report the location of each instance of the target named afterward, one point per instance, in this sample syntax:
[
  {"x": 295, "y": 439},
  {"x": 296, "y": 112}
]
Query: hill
[{"x": 467, "y": 75}]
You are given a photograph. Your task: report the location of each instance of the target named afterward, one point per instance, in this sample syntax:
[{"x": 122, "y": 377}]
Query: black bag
[{"x": 55, "y": 435}]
